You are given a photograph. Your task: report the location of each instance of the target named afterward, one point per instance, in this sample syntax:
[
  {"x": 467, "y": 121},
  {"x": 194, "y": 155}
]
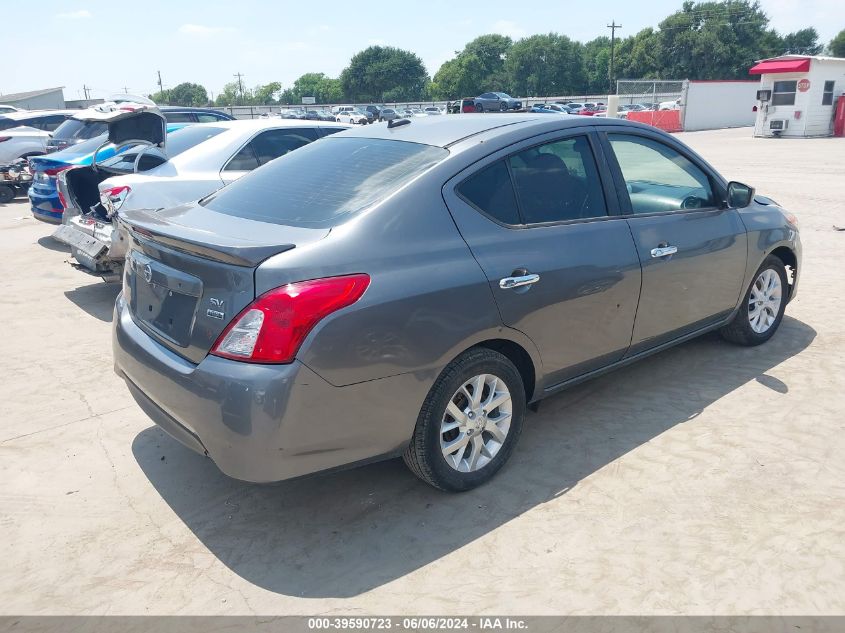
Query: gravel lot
[{"x": 707, "y": 479}]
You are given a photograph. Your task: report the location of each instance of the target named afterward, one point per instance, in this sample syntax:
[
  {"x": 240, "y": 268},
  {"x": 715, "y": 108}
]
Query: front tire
[
  {"x": 469, "y": 423},
  {"x": 762, "y": 307}
]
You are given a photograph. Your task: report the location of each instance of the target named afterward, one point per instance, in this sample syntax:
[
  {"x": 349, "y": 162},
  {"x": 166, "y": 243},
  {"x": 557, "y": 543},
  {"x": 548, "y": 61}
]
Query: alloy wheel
[{"x": 476, "y": 422}]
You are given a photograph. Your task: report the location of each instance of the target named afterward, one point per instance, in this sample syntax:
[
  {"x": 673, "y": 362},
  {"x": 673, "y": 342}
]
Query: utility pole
[
  {"x": 161, "y": 85},
  {"x": 240, "y": 86},
  {"x": 613, "y": 26},
  {"x": 85, "y": 89},
  {"x": 125, "y": 90}
]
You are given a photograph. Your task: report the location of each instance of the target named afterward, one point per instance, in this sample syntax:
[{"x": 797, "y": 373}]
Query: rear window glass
[
  {"x": 324, "y": 183},
  {"x": 185, "y": 138},
  {"x": 76, "y": 129}
]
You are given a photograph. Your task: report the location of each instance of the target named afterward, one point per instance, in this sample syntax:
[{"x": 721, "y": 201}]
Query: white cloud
[
  {"x": 509, "y": 28},
  {"x": 74, "y": 15},
  {"x": 203, "y": 30}
]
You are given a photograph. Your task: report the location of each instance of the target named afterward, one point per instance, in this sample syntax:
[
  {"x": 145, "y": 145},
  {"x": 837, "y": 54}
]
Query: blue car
[{"x": 43, "y": 194}]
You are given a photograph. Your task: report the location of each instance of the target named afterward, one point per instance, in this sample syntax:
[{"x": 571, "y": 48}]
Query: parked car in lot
[
  {"x": 195, "y": 162},
  {"x": 22, "y": 142},
  {"x": 352, "y": 117},
  {"x": 496, "y": 102},
  {"x": 7, "y": 109},
  {"x": 45, "y": 202},
  {"x": 44, "y": 120},
  {"x": 80, "y": 127},
  {"x": 432, "y": 111},
  {"x": 462, "y": 267},
  {"x": 388, "y": 114},
  {"x": 549, "y": 108},
  {"x": 675, "y": 104}
]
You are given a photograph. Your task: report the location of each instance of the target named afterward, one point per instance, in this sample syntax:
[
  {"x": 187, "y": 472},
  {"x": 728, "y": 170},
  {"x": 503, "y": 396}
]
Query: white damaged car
[{"x": 154, "y": 170}]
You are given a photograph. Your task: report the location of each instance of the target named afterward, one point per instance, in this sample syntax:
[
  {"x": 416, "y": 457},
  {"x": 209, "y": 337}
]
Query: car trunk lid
[{"x": 189, "y": 271}]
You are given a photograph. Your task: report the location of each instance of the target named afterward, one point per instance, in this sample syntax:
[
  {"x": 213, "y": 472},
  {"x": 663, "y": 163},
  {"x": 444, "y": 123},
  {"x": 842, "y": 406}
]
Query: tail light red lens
[
  {"x": 113, "y": 198},
  {"x": 55, "y": 171},
  {"x": 272, "y": 328},
  {"x": 4, "y": 138}
]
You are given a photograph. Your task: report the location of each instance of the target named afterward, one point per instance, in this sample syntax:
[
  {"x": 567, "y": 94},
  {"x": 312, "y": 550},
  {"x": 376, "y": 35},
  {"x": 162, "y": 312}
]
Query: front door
[
  {"x": 693, "y": 250},
  {"x": 562, "y": 270}
]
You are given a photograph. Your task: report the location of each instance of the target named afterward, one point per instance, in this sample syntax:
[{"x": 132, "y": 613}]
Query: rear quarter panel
[{"x": 428, "y": 299}]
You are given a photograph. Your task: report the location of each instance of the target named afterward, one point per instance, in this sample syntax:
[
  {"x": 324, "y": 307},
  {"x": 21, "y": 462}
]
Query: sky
[{"x": 119, "y": 46}]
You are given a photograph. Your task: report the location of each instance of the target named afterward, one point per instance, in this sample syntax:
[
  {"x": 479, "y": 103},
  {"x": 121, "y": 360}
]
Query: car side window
[
  {"x": 491, "y": 192},
  {"x": 50, "y": 123},
  {"x": 205, "y": 117},
  {"x": 558, "y": 181},
  {"x": 274, "y": 143},
  {"x": 244, "y": 160},
  {"x": 179, "y": 117},
  {"x": 659, "y": 178}
]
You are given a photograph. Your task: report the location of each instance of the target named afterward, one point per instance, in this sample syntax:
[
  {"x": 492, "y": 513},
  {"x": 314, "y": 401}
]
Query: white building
[
  {"x": 47, "y": 99},
  {"x": 797, "y": 95}
]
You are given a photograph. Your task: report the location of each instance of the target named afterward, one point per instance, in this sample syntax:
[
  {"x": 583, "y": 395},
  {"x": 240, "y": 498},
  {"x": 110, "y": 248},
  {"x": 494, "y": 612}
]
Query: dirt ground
[{"x": 709, "y": 479}]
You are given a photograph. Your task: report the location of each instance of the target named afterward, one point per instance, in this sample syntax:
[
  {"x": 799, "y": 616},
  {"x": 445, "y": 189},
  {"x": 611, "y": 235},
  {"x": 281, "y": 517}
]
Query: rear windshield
[
  {"x": 185, "y": 138},
  {"x": 324, "y": 183},
  {"x": 178, "y": 141},
  {"x": 75, "y": 129}
]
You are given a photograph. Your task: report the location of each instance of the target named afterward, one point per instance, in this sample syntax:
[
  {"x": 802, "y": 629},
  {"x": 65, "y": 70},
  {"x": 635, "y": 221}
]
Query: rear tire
[
  {"x": 503, "y": 107},
  {"x": 479, "y": 107},
  {"x": 763, "y": 305},
  {"x": 7, "y": 194},
  {"x": 469, "y": 423}
]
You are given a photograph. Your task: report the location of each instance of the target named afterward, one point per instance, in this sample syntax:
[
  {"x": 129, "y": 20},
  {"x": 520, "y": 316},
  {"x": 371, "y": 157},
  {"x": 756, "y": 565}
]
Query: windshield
[
  {"x": 306, "y": 188},
  {"x": 76, "y": 129}
]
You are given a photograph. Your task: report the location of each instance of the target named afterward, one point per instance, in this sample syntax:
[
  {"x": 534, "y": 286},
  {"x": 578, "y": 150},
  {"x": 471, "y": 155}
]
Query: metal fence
[
  {"x": 256, "y": 111},
  {"x": 650, "y": 92}
]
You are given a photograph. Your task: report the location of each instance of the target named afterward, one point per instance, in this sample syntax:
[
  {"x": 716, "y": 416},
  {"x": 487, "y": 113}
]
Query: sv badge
[{"x": 216, "y": 312}]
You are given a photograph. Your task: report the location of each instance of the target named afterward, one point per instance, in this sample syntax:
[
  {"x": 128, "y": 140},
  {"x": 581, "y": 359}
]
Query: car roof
[
  {"x": 450, "y": 130},
  {"x": 29, "y": 114},
  {"x": 261, "y": 124}
]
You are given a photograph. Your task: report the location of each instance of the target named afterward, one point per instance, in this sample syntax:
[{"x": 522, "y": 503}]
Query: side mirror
[{"x": 739, "y": 195}]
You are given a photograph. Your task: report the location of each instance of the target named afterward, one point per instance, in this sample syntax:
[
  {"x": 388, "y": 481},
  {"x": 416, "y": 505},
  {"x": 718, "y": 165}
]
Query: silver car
[
  {"x": 496, "y": 102},
  {"x": 414, "y": 303}
]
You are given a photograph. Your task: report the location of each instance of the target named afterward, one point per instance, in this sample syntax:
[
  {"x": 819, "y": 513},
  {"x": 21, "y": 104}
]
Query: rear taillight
[
  {"x": 271, "y": 328},
  {"x": 55, "y": 171},
  {"x": 4, "y": 138},
  {"x": 113, "y": 198}
]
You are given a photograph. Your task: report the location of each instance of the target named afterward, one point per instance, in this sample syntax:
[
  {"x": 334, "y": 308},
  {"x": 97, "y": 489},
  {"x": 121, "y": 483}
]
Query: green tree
[
  {"x": 545, "y": 65},
  {"x": 187, "y": 94},
  {"x": 479, "y": 67},
  {"x": 837, "y": 45},
  {"x": 264, "y": 94},
  {"x": 384, "y": 73},
  {"x": 714, "y": 40},
  {"x": 804, "y": 42},
  {"x": 324, "y": 89},
  {"x": 597, "y": 63},
  {"x": 229, "y": 96}
]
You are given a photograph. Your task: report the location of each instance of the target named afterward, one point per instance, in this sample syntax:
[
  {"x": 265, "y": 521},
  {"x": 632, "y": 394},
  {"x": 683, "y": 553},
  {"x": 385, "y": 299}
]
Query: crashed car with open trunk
[{"x": 138, "y": 133}]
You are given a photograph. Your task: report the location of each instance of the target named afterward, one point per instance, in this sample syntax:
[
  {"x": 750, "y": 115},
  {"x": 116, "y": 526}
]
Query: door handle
[
  {"x": 663, "y": 251},
  {"x": 507, "y": 283}
]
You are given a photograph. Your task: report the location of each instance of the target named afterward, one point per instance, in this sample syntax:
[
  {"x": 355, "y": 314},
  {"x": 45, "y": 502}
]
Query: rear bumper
[
  {"x": 264, "y": 423},
  {"x": 95, "y": 245},
  {"x": 45, "y": 207}
]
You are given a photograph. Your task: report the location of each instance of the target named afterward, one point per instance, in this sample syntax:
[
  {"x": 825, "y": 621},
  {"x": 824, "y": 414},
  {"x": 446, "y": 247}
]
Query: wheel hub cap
[
  {"x": 764, "y": 301},
  {"x": 476, "y": 423}
]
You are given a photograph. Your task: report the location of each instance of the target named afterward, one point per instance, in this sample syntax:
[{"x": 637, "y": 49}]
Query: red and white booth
[{"x": 798, "y": 95}]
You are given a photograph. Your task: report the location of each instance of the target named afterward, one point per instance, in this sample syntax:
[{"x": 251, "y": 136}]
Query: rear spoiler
[{"x": 144, "y": 226}]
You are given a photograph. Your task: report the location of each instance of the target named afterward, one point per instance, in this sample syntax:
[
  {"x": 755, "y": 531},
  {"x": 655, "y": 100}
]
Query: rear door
[
  {"x": 692, "y": 248},
  {"x": 264, "y": 147},
  {"x": 563, "y": 269}
]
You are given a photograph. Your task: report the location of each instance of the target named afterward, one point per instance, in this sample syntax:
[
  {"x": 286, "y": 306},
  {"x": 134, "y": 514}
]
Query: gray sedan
[
  {"x": 414, "y": 303},
  {"x": 496, "y": 102}
]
